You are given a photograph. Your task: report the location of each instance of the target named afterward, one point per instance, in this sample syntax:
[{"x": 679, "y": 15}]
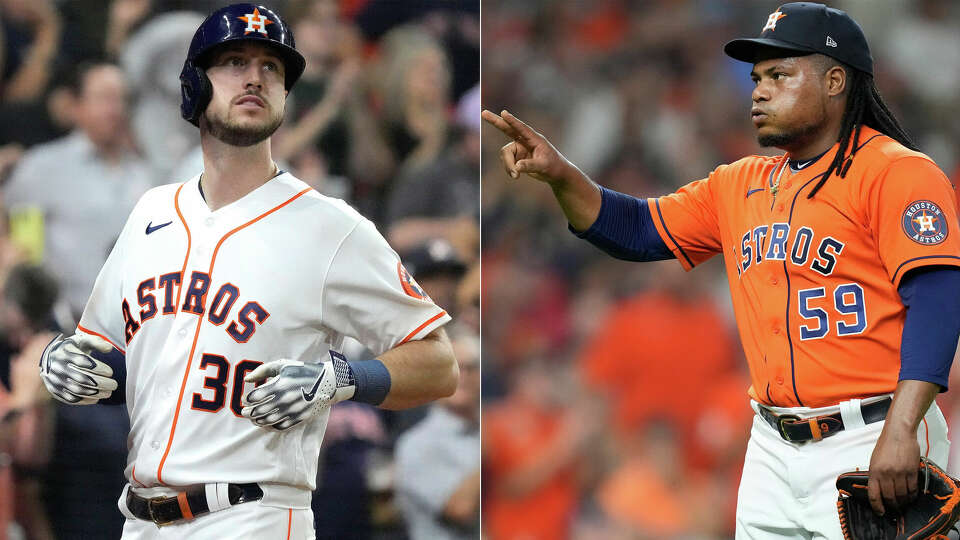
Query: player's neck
[
  {"x": 230, "y": 172},
  {"x": 816, "y": 144}
]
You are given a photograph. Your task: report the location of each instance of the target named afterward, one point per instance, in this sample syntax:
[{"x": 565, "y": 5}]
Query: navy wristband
[
  {"x": 624, "y": 229},
  {"x": 372, "y": 381}
]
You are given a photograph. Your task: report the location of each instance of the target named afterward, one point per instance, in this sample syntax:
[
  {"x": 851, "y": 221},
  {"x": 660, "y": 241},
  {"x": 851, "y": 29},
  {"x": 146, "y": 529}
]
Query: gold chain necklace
[{"x": 776, "y": 183}]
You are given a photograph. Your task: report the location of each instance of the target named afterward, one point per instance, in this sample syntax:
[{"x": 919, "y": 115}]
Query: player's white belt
[
  {"x": 792, "y": 428},
  {"x": 188, "y": 504}
]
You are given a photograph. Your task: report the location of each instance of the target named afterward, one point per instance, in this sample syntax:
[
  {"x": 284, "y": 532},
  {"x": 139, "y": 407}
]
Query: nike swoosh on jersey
[
  {"x": 154, "y": 228},
  {"x": 752, "y": 191},
  {"x": 308, "y": 396}
]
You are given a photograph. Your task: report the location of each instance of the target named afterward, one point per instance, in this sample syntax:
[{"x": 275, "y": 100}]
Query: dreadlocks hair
[{"x": 865, "y": 107}]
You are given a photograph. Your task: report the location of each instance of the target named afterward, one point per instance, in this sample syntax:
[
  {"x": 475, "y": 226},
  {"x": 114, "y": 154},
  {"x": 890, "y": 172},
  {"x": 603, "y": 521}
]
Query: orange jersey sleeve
[
  {"x": 687, "y": 221},
  {"x": 912, "y": 216}
]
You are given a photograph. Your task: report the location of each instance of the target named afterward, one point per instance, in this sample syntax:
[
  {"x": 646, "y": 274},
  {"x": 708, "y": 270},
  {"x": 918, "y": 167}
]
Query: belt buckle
[
  {"x": 780, "y": 420},
  {"x": 156, "y": 520}
]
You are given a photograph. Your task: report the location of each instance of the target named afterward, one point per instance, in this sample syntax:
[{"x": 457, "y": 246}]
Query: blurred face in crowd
[
  {"x": 441, "y": 286},
  {"x": 248, "y": 94},
  {"x": 101, "y": 110},
  {"x": 465, "y": 402},
  {"x": 428, "y": 78},
  {"x": 794, "y": 99},
  {"x": 14, "y": 324}
]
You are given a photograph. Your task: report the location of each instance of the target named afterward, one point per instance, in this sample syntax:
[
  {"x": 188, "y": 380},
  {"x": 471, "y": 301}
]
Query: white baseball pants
[{"x": 788, "y": 490}]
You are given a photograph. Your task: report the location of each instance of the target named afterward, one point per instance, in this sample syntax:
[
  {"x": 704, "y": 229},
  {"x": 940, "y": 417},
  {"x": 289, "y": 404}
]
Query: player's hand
[
  {"x": 294, "y": 392},
  {"x": 72, "y": 375},
  {"x": 529, "y": 152},
  {"x": 893, "y": 470}
]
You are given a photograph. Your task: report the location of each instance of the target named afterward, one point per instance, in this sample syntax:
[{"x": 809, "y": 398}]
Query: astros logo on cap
[
  {"x": 924, "y": 223},
  {"x": 772, "y": 20},
  {"x": 255, "y": 22}
]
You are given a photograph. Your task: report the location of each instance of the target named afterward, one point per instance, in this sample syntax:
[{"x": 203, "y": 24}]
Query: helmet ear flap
[{"x": 195, "y": 92}]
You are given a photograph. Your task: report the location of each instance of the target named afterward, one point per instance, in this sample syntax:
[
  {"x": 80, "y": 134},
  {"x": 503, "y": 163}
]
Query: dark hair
[
  {"x": 75, "y": 78},
  {"x": 33, "y": 291},
  {"x": 865, "y": 107}
]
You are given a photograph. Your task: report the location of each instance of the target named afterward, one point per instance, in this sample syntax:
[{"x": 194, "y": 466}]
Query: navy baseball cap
[{"x": 806, "y": 28}]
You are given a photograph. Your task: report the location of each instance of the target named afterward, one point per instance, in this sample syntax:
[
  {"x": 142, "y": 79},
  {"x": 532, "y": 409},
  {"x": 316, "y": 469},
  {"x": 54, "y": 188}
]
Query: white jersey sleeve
[
  {"x": 103, "y": 314},
  {"x": 369, "y": 296}
]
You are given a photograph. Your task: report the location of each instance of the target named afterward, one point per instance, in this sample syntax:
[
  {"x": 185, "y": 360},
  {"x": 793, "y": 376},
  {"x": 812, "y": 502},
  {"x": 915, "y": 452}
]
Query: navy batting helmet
[{"x": 236, "y": 22}]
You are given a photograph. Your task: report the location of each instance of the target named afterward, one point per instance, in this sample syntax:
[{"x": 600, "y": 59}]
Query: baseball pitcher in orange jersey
[{"x": 842, "y": 256}]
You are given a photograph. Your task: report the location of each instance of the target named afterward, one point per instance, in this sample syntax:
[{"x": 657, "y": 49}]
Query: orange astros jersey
[{"x": 814, "y": 281}]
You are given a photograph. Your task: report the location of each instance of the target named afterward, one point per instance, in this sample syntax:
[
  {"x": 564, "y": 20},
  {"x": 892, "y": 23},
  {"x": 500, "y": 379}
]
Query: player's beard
[
  {"x": 790, "y": 137},
  {"x": 236, "y": 135},
  {"x": 795, "y": 136}
]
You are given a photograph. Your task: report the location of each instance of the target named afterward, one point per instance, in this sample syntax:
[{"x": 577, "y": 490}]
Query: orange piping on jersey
[
  {"x": 907, "y": 262},
  {"x": 422, "y": 326},
  {"x": 183, "y": 271},
  {"x": 926, "y": 435},
  {"x": 101, "y": 336},
  {"x": 289, "y": 522},
  {"x": 133, "y": 474},
  {"x": 663, "y": 226},
  {"x": 184, "y": 505},
  {"x": 196, "y": 333}
]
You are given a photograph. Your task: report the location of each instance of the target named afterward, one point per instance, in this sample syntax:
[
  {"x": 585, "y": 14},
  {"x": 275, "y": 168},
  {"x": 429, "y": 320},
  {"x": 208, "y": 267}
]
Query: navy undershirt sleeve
[
  {"x": 625, "y": 230},
  {"x": 932, "y": 326}
]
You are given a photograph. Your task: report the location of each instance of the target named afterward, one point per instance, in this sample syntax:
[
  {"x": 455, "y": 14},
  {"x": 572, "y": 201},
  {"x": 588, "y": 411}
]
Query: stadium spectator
[
  {"x": 152, "y": 59},
  {"x": 68, "y": 198},
  {"x": 26, "y": 323},
  {"x": 534, "y": 443},
  {"x": 444, "y": 503}
]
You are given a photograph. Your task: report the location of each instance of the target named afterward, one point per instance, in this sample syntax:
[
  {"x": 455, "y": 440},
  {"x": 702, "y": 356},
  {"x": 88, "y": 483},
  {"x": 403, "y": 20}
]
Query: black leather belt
[
  {"x": 187, "y": 504},
  {"x": 794, "y": 429}
]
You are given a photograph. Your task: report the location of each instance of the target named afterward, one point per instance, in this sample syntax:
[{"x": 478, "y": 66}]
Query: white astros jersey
[{"x": 197, "y": 299}]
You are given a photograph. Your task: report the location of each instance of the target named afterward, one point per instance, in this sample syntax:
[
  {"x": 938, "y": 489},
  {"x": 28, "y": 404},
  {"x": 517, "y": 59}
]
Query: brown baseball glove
[{"x": 930, "y": 516}]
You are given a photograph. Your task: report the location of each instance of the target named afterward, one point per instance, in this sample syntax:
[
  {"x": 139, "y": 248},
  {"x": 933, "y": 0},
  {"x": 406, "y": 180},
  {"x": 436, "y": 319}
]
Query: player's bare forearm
[
  {"x": 420, "y": 371},
  {"x": 579, "y": 197},
  {"x": 532, "y": 154},
  {"x": 893, "y": 465},
  {"x": 910, "y": 402}
]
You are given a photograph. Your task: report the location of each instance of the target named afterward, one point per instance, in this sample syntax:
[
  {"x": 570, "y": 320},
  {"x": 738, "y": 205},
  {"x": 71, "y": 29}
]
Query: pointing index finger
[
  {"x": 518, "y": 125},
  {"x": 499, "y": 123}
]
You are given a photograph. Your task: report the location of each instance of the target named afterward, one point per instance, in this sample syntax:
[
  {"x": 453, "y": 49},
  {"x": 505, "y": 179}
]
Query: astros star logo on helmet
[{"x": 255, "y": 22}]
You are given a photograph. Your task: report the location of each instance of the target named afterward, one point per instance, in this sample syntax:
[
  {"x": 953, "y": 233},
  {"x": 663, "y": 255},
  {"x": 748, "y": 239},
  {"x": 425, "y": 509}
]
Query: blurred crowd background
[
  {"x": 386, "y": 116},
  {"x": 614, "y": 395}
]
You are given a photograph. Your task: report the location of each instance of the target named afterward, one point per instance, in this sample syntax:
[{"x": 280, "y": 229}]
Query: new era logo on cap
[{"x": 831, "y": 42}]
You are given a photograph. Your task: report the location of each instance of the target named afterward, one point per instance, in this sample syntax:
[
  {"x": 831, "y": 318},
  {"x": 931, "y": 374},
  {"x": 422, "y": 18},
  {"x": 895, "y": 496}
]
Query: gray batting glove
[
  {"x": 72, "y": 375},
  {"x": 295, "y": 391}
]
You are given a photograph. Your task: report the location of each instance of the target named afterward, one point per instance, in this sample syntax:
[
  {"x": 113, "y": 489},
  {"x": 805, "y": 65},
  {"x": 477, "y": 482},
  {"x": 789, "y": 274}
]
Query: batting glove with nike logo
[
  {"x": 296, "y": 391},
  {"x": 70, "y": 372}
]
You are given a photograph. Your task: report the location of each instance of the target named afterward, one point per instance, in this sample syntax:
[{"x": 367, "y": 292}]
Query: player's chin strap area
[{"x": 187, "y": 504}]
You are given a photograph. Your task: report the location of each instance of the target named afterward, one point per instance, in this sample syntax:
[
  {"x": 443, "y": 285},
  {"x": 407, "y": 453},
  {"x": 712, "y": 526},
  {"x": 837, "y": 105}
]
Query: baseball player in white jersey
[{"x": 229, "y": 296}]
